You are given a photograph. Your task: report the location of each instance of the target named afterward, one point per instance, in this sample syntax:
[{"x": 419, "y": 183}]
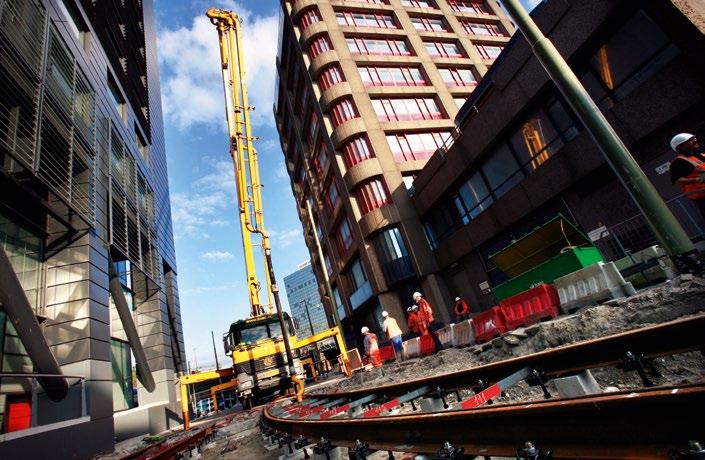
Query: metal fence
[{"x": 633, "y": 234}]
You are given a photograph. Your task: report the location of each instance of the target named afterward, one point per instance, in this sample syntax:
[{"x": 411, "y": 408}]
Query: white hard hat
[
  {"x": 384, "y": 314},
  {"x": 416, "y": 295},
  {"x": 365, "y": 330},
  {"x": 457, "y": 298},
  {"x": 415, "y": 307},
  {"x": 679, "y": 139}
]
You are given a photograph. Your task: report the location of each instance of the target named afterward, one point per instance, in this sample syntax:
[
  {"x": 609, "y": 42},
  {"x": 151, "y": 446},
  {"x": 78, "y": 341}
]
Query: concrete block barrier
[
  {"x": 463, "y": 333},
  {"x": 591, "y": 285},
  {"x": 445, "y": 335},
  {"x": 412, "y": 348}
]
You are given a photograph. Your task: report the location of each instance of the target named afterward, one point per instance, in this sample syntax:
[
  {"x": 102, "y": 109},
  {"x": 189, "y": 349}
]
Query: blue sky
[{"x": 208, "y": 245}]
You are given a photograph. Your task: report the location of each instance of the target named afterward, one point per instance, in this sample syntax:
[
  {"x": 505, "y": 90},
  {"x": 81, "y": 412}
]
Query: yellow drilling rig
[{"x": 264, "y": 347}]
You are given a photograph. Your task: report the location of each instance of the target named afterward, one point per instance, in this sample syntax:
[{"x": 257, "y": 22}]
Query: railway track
[{"x": 446, "y": 414}]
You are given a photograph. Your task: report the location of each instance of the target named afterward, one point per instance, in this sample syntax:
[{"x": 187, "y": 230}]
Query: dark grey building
[
  {"x": 305, "y": 302},
  {"x": 521, "y": 157},
  {"x": 83, "y": 184}
]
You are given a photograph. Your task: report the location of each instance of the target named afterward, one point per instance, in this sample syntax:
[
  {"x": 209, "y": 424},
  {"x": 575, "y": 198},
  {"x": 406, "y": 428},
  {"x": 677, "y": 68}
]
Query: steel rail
[
  {"x": 673, "y": 337},
  {"x": 643, "y": 424}
]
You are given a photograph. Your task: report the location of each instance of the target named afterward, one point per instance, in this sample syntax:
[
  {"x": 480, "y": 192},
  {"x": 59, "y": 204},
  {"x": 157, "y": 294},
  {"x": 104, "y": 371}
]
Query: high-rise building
[
  {"x": 83, "y": 187},
  {"x": 366, "y": 94},
  {"x": 305, "y": 301}
]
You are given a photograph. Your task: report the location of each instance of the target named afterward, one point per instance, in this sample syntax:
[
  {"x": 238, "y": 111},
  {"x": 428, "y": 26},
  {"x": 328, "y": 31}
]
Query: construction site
[{"x": 503, "y": 203}]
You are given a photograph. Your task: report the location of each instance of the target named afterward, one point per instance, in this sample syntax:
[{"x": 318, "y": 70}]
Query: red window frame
[
  {"x": 330, "y": 76},
  {"x": 372, "y": 195},
  {"x": 493, "y": 30},
  {"x": 343, "y": 111},
  {"x": 426, "y": 24},
  {"x": 357, "y": 150},
  {"x": 319, "y": 45},
  {"x": 469, "y": 6},
  {"x": 332, "y": 196},
  {"x": 361, "y": 47},
  {"x": 376, "y": 20},
  {"x": 321, "y": 161},
  {"x": 343, "y": 236},
  {"x": 442, "y": 51},
  {"x": 375, "y": 79},
  {"x": 308, "y": 17},
  {"x": 482, "y": 49},
  {"x": 416, "y": 4},
  {"x": 456, "y": 78},
  {"x": 418, "y": 108},
  {"x": 406, "y": 153}
]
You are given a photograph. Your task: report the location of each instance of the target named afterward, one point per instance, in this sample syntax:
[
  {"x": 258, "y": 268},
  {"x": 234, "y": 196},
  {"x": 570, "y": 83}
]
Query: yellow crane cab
[{"x": 256, "y": 345}]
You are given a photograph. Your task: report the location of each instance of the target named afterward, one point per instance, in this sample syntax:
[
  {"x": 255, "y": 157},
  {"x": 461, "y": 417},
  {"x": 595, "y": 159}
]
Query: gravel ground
[{"x": 649, "y": 307}]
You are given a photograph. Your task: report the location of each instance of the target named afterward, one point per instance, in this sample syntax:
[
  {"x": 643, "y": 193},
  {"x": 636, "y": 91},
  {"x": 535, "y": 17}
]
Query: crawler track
[{"x": 639, "y": 424}]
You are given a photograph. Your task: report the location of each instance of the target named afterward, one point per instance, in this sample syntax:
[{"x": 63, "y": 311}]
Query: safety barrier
[
  {"x": 488, "y": 325},
  {"x": 445, "y": 335},
  {"x": 463, "y": 333},
  {"x": 426, "y": 345},
  {"x": 658, "y": 266},
  {"x": 530, "y": 306},
  {"x": 386, "y": 353},
  {"x": 591, "y": 285},
  {"x": 412, "y": 348},
  {"x": 354, "y": 359}
]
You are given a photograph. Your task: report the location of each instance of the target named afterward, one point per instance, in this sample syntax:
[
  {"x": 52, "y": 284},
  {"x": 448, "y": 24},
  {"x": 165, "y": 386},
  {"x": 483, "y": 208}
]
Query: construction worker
[
  {"x": 421, "y": 324},
  {"x": 688, "y": 168},
  {"x": 371, "y": 347},
  {"x": 393, "y": 331},
  {"x": 461, "y": 310},
  {"x": 411, "y": 320},
  {"x": 426, "y": 314}
]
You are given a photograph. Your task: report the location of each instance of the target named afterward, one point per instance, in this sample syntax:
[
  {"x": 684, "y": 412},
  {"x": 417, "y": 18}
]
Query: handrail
[{"x": 40, "y": 376}]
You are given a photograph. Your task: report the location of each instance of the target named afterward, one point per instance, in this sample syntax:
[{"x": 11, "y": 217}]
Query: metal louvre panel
[
  {"x": 117, "y": 157},
  {"x": 130, "y": 177},
  {"x": 60, "y": 76},
  {"x": 133, "y": 242},
  {"x": 84, "y": 110},
  {"x": 55, "y": 151},
  {"x": 22, "y": 23},
  {"x": 118, "y": 220},
  {"x": 82, "y": 180},
  {"x": 18, "y": 106},
  {"x": 145, "y": 250}
]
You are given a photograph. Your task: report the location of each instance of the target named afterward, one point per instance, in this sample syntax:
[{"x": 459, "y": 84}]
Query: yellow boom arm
[{"x": 249, "y": 187}]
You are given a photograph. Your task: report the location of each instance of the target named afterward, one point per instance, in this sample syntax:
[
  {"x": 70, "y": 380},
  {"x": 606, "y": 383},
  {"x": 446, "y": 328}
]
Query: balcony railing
[{"x": 398, "y": 270}]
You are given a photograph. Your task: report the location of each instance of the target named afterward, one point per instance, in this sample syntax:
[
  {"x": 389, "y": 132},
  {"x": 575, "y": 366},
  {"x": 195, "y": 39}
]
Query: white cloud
[
  {"x": 192, "y": 88},
  {"x": 282, "y": 172},
  {"x": 285, "y": 238},
  {"x": 217, "y": 255}
]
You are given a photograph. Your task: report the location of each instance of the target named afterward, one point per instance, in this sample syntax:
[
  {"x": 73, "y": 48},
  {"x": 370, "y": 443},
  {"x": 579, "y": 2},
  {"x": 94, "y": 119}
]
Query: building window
[
  {"x": 312, "y": 127},
  {"x": 458, "y": 77},
  {"x": 372, "y": 195},
  {"x": 26, "y": 253},
  {"x": 469, "y": 6},
  {"x": 630, "y": 57},
  {"x": 407, "y": 109},
  {"x": 319, "y": 230},
  {"x": 387, "y": 47},
  {"x": 321, "y": 161},
  {"x": 472, "y": 198},
  {"x": 489, "y": 51},
  {"x": 74, "y": 22},
  {"x": 357, "y": 150},
  {"x": 429, "y": 24},
  {"x": 443, "y": 49},
  {"x": 392, "y": 76},
  {"x": 356, "y": 275},
  {"x": 343, "y": 111},
  {"x": 330, "y": 76},
  {"x": 319, "y": 45},
  {"x": 329, "y": 266},
  {"x": 343, "y": 236},
  {"x": 116, "y": 98},
  {"x": 393, "y": 256},
  {"x": 418, "y": 3},
  {"x": 141, "y": 145},
  {"x": 378, "y": 20},
  {"x": 417, "y": 146},
  {"x": 460, "y": 101},
  {"x": 483, "y": 28},
  {"x": 332, "y": 197},
  {"x": 408, "y": 182},
  {"x": 122, "y": 375},
  {"x": 309, "y": 17},
  {"x": 338, "y": 302}
]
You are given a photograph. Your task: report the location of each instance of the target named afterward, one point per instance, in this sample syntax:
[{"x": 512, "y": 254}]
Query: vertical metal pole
[
  {"x": 657, "y": 215},
  {"x": 84, "y": 409},
  {"x": 215, "y": 353}
]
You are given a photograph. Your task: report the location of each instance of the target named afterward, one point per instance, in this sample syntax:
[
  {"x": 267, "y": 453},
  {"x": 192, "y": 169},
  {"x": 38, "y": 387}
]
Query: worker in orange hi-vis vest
[
  {"x": 421, "y": 324},
  {"x": 371, "y": 347},
  {"x": 688, "y": 168},
  {"x": 393, "y": 331},
  {"x": 426, "y": 313},
  {"x": 411, "y": 321},
  {"x": 461, "y": 309}
]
